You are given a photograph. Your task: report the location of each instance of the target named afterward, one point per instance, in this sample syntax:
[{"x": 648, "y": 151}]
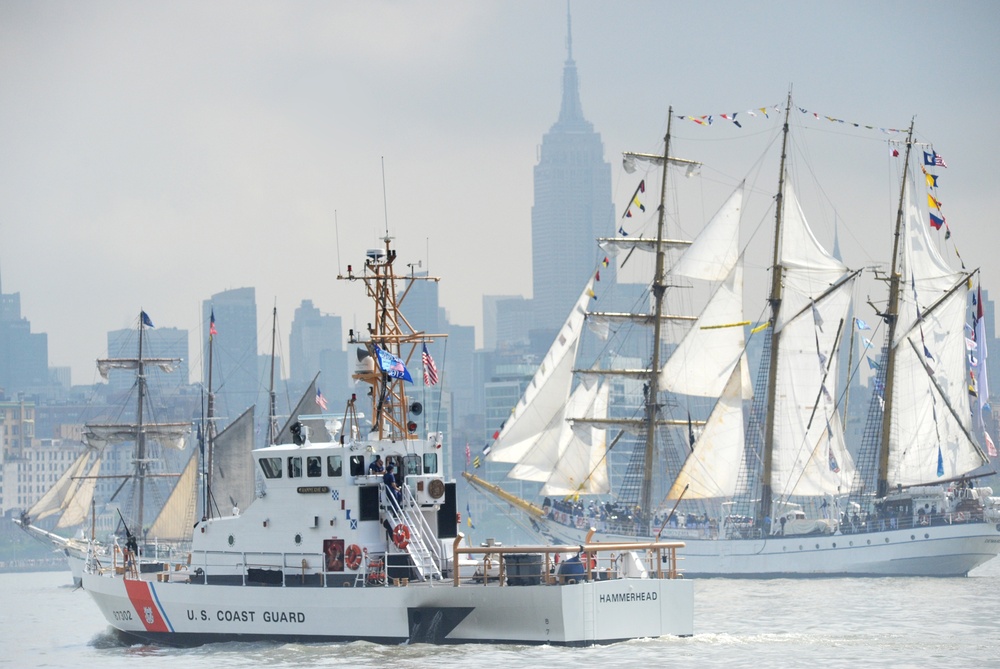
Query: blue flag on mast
[{"x": 392, "y": 365}]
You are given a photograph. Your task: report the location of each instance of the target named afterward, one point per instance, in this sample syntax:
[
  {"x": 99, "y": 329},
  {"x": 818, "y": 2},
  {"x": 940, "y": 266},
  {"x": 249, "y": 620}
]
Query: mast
[
  {"x": 891, "y": 316},
  {"x": 659, "y": 288},
  {"x": 775, "y": 302},
  {"x": 390, "y": 332},
  {"x": 140, "y": 435},
  {"x": 272, "y": 424},
  {"x": 209, "y": 426}
]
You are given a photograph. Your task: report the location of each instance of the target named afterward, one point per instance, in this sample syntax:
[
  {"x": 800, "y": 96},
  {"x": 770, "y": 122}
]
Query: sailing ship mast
[
  {"x": 891, "y": 317},
  {"x": 210, "y": 423},
  {"x": 272, "y": 411},
  {"x": 100, "y": 435},
  {"x": 775, "y": 302},
  {"x": 658, "y": 288}
]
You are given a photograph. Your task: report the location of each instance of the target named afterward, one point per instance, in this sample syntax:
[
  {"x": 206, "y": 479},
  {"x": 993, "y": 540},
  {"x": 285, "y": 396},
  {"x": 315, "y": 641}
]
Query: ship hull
[
  {"x": 937, "y": 550},
  {"x": 585, "y": 613}
]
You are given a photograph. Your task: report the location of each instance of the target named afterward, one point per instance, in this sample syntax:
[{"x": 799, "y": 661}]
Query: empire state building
[{"x": 572, "y": 206}]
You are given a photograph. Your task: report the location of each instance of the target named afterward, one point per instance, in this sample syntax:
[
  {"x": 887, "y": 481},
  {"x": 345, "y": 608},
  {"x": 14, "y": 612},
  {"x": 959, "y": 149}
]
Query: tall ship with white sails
[{"x": 765, "y": 484}]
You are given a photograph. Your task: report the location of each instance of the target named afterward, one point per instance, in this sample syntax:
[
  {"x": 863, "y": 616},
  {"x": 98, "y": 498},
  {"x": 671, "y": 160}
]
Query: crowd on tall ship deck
[{"x": 617, "y": 518}]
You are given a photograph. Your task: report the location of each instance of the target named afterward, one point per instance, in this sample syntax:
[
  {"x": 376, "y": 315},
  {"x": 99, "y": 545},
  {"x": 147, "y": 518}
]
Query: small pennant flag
[
  {"x": 146, "y": 320},
  {"x": 861, "y": 324},
  {"x": 940, "y": 467},
  {"x": 468, "y": 516},
  {"x": 991, "y": 450},
  {"x": 872, "y": 364},
  {"x": 641, "y": 188},
  {"x": 936, "y": 221},
  {"x": 933, "y": 203},
  {"x": 468, "y": 455},
  {"x": 211, "y": 325},
  {"x": 731, "y": 117},
  {"x": 476, "y": 462},
  {"x": 320, "y": 400},
  {"x": 834, "y": 467}
]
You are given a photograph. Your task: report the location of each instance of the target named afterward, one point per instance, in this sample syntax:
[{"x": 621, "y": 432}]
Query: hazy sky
[{"x": 156, "y": 153}]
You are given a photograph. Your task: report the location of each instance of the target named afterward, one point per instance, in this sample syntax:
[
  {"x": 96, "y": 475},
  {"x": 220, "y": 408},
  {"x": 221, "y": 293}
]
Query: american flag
[
  {"x": 430, "y": 369},
  {"x": 320, "y": 400}
]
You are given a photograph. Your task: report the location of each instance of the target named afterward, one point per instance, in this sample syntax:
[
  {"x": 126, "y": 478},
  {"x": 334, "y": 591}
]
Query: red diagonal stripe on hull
[{"x": 141, "y": 596}]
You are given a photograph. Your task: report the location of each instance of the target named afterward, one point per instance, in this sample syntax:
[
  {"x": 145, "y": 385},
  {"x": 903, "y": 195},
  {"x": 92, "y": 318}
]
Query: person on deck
[
  {"x": 376, "y": 467},
  {"x": 389, "y": 479}
]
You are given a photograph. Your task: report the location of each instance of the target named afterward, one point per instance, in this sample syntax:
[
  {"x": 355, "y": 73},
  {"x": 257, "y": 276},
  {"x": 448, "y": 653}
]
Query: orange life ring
[
  {"x": 401, "y": 536},
  {"x": 352, "y": 557}
]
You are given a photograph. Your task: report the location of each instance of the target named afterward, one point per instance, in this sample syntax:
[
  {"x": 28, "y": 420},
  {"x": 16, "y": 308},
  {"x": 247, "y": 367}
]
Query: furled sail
[
  {"x": 540, "y": 413},
  {"x": 232, "y": 464},
  {"x": 930, "y": 435},
  {"x": 105, "y": 365},
  {"x": 168, "y": 435},
  {"x": 810, "y": 456}
]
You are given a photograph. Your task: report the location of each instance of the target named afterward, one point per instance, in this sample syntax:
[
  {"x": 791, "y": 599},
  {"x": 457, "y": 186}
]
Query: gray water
[{"x": 884, "y": 622}]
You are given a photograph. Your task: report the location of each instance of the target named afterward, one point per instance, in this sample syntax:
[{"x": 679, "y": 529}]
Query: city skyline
[{"x": 270, "y": 146}]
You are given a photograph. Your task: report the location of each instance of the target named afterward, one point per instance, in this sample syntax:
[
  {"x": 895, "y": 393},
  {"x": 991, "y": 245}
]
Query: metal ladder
[{"x": 424, "y": 550}]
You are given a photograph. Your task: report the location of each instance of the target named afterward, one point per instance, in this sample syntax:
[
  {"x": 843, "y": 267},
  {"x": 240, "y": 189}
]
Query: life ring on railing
[
  {"x": 960, "y": 516},
  {"x": 401, "y": 536},
  {"x": 352, "y": 558}
]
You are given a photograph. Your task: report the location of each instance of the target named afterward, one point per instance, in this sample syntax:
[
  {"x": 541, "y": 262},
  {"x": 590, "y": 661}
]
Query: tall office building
[
  {"x": 24, "y": 355},
  {"x": 573, "y": 206},
  {"x": 235, "y": 381},
  {"x": 316, "y": 344}
]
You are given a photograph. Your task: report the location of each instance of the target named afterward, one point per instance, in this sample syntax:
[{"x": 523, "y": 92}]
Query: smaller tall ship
[
  {"x": 331, "y": 548},
  {"x": 152, "y": 498}
]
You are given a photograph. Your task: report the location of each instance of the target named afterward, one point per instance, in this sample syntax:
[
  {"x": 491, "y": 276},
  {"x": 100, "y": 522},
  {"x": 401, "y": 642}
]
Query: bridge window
[
  {"x": 295, "y": 467},
  {"x": 430, "y": 463},
  {"x": 357, "y": 465},
  {"x": 271, "y": 467},
  {"x": 334, "y": 465},
  {"x": 411, "y": 465},
  {"x": 314, "y": 466}
]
